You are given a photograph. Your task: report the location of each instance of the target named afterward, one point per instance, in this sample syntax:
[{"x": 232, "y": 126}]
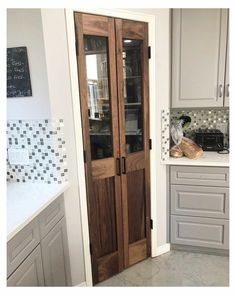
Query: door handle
[
  {"x": 220, "y": 90},
  {"x": 118, "y": 166},
  {"x": 123, "y": 165},
  {"x": 227, "y": 90}
]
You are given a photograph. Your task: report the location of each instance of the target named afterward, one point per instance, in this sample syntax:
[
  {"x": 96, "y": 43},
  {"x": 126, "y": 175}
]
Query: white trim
[
  {"x": 83, "y": 284},
  {"x": 163, "y": 249},
  {"x": 79, "y": 143},
  {"x": 77, "y": 120}
]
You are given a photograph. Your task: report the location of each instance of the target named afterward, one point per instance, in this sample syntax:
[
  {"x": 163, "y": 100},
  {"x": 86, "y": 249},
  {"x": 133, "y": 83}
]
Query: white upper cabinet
[
  {"x": 226, "y": 88},
  {"x": 199, "y": 41}
]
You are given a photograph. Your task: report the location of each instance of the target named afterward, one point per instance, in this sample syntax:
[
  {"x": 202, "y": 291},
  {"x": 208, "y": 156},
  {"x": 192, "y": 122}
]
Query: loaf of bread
[
  {"x": 176, "y": 152},
  {"x": 190, "y": 149}
]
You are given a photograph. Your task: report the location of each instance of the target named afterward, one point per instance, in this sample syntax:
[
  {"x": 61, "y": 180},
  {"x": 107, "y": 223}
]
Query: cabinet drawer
[
  {"x": 29, "y": 273},
  {"x": 51, "y": 215},
  {"x": 199, "y": 231},
  {"x": 200, "y": 201},
  {"x": 21, "y": 245},
  {"x": 209, "y": 176}
]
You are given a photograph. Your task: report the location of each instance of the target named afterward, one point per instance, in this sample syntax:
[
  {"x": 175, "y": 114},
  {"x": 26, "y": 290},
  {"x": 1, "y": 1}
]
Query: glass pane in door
[
  {"x": 99, "y": 108},
  {"x": 132, "y": 68}
]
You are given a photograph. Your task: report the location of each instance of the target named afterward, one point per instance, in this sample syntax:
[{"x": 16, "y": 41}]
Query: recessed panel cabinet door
[
  {"x": 199, "y": 38},
  {"x": 29, "y": 273},
  {"x": 98, "y": 100},
  {"x": 132, "y": 69}
]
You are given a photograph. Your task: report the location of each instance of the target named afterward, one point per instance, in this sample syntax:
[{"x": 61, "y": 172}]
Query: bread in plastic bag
[
  {"x": 176, "y": 152},
  {"x": 190, "y": 149}
]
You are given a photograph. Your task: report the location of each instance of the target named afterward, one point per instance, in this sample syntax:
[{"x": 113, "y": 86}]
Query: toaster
[{"x": 210, "y": 139}]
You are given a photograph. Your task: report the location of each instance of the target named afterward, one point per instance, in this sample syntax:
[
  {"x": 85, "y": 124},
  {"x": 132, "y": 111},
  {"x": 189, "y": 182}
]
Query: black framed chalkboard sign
[{"x": 18, "y": 75}]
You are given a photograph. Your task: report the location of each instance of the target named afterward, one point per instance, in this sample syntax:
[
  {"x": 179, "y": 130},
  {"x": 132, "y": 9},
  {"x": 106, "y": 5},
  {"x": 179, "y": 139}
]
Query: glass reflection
[{"x": 99, "y": 110}]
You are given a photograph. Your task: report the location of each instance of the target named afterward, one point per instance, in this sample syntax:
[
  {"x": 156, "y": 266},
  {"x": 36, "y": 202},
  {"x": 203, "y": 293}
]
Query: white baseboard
[
  {"x": 162, "y": 249},
  {"x": 83, "y": 284}
]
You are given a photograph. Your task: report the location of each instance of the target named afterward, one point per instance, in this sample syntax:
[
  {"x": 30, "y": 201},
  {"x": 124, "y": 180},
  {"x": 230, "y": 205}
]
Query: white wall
[
  {"x": 56, "y": 51},
  {"x": 24, "y": 28}
]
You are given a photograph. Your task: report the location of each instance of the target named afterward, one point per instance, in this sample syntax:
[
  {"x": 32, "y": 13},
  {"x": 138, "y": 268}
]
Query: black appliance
[{"x": 210, "y": 139}]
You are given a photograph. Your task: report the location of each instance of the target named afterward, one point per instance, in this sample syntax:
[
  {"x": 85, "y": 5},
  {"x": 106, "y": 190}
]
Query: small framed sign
[{"x": 18, "y": 75}]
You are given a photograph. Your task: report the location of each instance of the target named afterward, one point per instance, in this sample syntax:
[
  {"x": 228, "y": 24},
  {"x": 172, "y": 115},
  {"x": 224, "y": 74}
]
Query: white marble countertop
[
  {"x": 26, "y": 200},
  {"x": 207, "y": 159}
]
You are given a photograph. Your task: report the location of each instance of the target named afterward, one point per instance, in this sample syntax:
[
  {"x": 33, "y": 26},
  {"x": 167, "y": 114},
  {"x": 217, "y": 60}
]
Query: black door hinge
[
  {"x": 84, "y": 156},
  {"x": 76, "y": 46},
  {"x": 151, "y": 223},
  {"x": 150, "y": 144},
  {"x": 90, "y": 249},
  {"x": 149, "y": 52}
]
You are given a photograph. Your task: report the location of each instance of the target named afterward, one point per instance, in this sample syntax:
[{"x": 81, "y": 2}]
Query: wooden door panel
[
  {"x": 95, "y": 25},
  {"x": 138, "y": 251},
  {"x": 104, "y": 198},
  {"x": 103, "y": 168},
  {"x": 108, "y": 266},
  {"x": 135, "y": 161},
  {"x": 98, "y": 99},
  {"x": 136, "y": 205},
  {"x": 133, "y": 29},
  {"x": 132, "y": 77}
]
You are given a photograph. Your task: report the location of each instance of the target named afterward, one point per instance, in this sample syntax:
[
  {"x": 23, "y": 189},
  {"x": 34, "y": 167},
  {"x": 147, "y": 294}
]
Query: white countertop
[
  {"x": 26, "y": 200},
  {"x": 207, "y": 159}
]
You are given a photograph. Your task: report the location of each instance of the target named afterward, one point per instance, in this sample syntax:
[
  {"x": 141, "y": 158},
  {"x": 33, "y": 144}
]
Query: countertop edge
[
  {"x": 194, "y": 163},
  {"x": 37, "y": 212}
]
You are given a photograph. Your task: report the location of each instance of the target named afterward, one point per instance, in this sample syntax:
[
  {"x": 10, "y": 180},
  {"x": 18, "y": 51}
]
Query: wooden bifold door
[{"x": 112, "y": 60}]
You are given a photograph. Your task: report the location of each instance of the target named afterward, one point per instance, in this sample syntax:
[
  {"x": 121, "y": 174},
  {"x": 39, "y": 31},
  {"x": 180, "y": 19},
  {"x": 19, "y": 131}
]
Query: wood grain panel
[
  {"x": 103, "y": 168},
  {"x": 137, "y": 251},
  {"x": 104, "y": 197},
  {"x": 108, "y": 266},
  {"x": 133, "y": 29},
  {"x": 95, "y": 25},
  {"x": 135, "y": 161},
  {"x": 136, "y": 205}
]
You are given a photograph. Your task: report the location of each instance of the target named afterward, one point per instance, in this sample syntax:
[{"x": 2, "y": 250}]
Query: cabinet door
[
  {"x": 22, "y": 244},
  {"x": 55, "y": 256},
  {"x": 227, "y": 83},
  {"x": 198, "y": 57},
  {"x": 132, "y": 69},
  {"x": 98, "y": 99},
  {"x": 29, "y": 273},
  {"x": 199, "y": 231}
]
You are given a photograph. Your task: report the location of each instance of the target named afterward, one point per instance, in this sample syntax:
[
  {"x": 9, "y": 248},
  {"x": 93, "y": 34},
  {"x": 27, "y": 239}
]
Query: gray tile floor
[{"x": 175, "y": 268}]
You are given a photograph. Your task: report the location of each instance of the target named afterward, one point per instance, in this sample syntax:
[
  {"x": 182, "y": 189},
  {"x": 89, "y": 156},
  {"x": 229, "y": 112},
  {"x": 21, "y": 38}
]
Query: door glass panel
[
  {"x": 132, "y": 68},
  {"x": 99, "y": 108}
]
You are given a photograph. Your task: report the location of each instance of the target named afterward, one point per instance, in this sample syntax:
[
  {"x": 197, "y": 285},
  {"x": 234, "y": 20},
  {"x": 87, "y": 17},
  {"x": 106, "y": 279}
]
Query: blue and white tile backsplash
[{"x": 45, "y": 142}]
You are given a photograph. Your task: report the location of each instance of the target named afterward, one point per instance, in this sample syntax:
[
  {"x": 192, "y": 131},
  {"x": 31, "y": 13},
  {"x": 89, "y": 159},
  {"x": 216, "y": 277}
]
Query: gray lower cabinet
[
  {"x": 199, "y": 206},
  {"x": 38, "y": 255},
  {"x": 30, "y": 272},
  {"x": 199, "y": 231},
  {"x": 55, "y": 256}
]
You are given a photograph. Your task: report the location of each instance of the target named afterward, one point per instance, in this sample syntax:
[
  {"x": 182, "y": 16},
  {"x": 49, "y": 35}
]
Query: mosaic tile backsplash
[
  {"x": 45, "y": 143},
  {"x": 200, "y": 118}
]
